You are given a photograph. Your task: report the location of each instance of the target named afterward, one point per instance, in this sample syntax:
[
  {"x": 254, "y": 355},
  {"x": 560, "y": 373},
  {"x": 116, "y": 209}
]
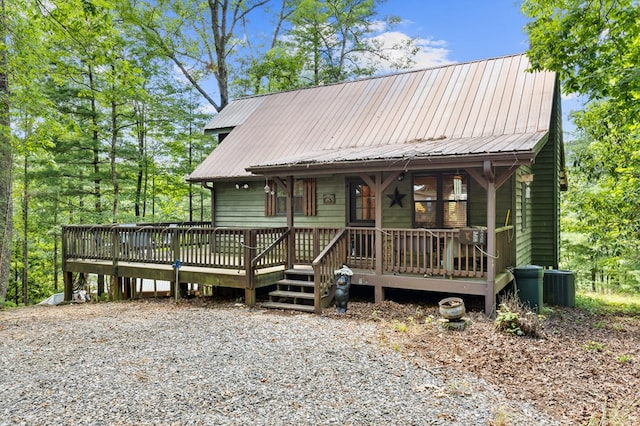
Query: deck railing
[
  {"x": 503, "y": 257},
  {"x": 325, "y": 264},
  {"x": 433, "y": 252},
  {"x": 309, "y": 242},
  {"x": 230, "y": 248},
  {"x": 428, "y": 252}
]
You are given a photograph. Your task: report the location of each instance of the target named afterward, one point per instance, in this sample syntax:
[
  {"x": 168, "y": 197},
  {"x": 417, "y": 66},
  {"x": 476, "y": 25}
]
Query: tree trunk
[
  {"x": 112, "y": 156},
  {"x": 142, "y": 159},
  {"x": 96, "y": 147},
  {"x": 25, "y": 233},
  {"x": 6, "y": 161}
]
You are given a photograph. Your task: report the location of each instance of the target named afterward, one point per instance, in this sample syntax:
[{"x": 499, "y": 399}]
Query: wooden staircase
[{"x": 294, "y": 291}]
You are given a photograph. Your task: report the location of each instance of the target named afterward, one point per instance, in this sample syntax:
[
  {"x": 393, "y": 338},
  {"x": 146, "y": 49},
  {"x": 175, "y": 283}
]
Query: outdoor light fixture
[
  {"x": 267, "y": 189},
  {"x": 457, "y": 187},
  {"x": 243, "y": 185},
  {"x": 527, "y": 179}
]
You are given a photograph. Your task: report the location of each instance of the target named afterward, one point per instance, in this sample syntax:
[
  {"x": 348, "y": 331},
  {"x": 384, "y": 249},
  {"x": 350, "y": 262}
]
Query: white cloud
[
  {"x": 396, "y": 45},
  {"x": 431, "y": 53}
]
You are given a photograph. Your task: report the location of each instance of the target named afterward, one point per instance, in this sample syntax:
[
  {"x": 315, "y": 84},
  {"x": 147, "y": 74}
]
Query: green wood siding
[
  {"x": 522, "y": 224},
  {"x": 478, "y": 205},
  {"x": 545, "y": 195},
  {"x": 396, "y": 216},
  {"x": 245, "y": 208}
]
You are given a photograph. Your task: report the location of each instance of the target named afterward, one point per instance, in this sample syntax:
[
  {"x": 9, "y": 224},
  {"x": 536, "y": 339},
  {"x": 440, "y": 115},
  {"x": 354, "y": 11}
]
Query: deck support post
[
  {"x": 126, "y": 292},
  {"x": 250, "y": 297},
  {"x": 116, "y": 288},
  {"x": 100, "y": 285},
  {"x": 250, "y": 251},
  {"x": 68, "y": 286}
]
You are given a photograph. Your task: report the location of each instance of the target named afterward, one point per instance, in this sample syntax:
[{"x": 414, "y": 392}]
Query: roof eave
[
  {"x": 395, "y": 164},
  {"x": 217, "y": 130}
]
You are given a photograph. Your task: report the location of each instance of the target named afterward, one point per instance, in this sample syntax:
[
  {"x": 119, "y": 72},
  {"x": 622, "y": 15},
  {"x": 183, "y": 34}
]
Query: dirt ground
[{"x": 583, "y": 370}]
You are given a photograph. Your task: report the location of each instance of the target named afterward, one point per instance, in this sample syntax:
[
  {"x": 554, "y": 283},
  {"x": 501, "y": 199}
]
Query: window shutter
[
  {"x": 309, "y": 197},
  {"x": 270, "y": 199}
]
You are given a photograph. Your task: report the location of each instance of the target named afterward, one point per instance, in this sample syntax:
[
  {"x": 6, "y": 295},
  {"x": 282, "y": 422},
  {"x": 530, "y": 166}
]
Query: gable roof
[{"x": 450, "y": 113}]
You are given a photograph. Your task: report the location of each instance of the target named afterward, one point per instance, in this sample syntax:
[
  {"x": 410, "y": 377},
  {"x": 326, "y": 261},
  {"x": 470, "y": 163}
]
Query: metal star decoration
[{"x": 396, "y": 197}]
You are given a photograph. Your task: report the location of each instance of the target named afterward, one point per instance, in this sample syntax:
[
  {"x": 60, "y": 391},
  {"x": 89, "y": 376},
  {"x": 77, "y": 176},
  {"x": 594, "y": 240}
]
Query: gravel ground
[{"x": 158, "y": 363}]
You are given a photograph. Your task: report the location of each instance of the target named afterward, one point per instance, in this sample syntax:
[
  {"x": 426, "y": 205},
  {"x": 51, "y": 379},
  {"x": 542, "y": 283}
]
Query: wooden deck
[{"x": 446, "y": 261}]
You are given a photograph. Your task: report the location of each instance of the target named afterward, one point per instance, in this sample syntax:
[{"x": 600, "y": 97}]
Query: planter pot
[{"x": 452, "y": 308}]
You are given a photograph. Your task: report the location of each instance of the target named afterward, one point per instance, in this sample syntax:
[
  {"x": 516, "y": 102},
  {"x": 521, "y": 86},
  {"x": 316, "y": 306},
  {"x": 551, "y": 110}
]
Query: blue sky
[
  {"x": 465, "y": 29},
  {"x": 451, "y": 31}
]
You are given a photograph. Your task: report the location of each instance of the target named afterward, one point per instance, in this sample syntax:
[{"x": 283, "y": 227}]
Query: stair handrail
[
  {"x": 332, "y": 257},
  {"x": 269, "y": 248}
]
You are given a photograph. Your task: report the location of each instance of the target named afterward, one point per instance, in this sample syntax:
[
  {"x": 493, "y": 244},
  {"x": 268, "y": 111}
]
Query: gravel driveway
[{"x": 146, "y": 363}]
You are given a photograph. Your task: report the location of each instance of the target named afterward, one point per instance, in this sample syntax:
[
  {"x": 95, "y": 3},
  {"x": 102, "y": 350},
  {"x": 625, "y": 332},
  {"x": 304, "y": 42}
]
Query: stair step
[
  {"x": 303, "y": 274},
  {"x": 291, "y": 294},
  {"x": 299, "y": 271},
  {"x": 288, "y": 306},
  {"x": 299, "y": 283}
]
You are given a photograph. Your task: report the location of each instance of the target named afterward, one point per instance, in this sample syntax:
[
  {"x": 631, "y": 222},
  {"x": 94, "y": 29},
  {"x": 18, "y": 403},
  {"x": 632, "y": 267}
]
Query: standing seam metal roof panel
[{"x": 445, "y": 106}]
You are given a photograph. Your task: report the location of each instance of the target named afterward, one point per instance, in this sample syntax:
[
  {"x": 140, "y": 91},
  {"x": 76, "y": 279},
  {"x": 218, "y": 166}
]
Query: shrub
[{"x": 516, "y": 319}]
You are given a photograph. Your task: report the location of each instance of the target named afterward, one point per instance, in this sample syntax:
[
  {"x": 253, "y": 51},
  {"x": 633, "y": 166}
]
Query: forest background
[{"x": 101, "y": 113}]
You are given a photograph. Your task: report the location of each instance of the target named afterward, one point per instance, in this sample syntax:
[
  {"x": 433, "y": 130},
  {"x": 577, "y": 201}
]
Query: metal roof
[
  {"x": 482, "y": 107},
  {"x": 234, "y": 114}
]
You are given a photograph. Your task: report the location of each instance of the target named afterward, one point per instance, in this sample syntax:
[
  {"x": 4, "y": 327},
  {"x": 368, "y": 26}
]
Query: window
[
  {"x": 304, "y": 198},
  {"x": 440, "y": 201},
  {"x": 362, "y": 203},
  {"x": 298, "y": 195}
]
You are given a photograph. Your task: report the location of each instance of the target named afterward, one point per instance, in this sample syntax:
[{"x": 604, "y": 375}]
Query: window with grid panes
[{"x": 440, "y": 200}]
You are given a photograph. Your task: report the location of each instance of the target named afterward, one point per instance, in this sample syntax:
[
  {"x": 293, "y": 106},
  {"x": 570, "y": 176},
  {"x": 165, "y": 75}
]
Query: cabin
[{"x": 439, "y": 180}]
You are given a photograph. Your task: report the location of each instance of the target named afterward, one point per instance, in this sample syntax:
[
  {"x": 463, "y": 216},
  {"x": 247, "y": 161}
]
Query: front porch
[{"x": 448, "y": 261}]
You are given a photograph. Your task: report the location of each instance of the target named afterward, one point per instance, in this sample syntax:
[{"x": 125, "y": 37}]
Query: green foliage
[
  {"x": 508, "y": 321},
  {"x": 9, "y": 304},
  {"x": 624, "y": 358},
  {"x": 594, "y": 47},
  {"x": 323, "y": 42},
  {"x": 608, "y": 304},
  {"x": 338, "y": 38},
  {"x": 593, "y": 346},
  {"x": 516, "y": 319},
  {"x": 103, "y": 132},
  {"x": 399, "y": 326}
]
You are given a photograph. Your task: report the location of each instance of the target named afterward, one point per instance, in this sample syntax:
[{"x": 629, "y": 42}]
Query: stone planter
[{"x": 452, "y": 308}]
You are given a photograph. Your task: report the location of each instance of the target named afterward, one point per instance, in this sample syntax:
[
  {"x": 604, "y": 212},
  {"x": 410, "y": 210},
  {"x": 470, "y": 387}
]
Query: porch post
[
  {"x": 379, "y": 290},
  {"x": 490, "y": 296},
  {"x": 379, "y": 185},
  {"x": 291, "y": 246}
]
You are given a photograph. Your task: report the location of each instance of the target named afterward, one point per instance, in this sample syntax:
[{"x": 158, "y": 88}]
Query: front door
[
  {"x": 361, "y": 204},
  {"x": 361, "y": 211}
]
